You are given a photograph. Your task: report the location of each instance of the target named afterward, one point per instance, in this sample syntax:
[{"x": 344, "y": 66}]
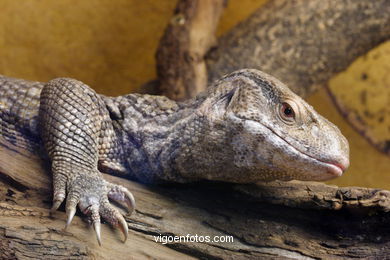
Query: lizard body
[{"x": 245, "y": 128}]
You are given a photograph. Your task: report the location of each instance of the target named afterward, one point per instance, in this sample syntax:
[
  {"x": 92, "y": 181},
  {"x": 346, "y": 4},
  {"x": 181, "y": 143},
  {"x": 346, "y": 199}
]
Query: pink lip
[
  {"x": 334, "y": 169},
  {"x": 338, "y": 168}
]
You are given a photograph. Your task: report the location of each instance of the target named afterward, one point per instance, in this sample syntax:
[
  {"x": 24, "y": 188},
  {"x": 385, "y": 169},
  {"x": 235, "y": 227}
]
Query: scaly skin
[{"x": 247, "y": 127}]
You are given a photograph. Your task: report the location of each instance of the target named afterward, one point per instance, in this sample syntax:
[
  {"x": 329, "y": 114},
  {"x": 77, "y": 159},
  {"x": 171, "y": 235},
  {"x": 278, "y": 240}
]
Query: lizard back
[{"x": 19, "y": 109}]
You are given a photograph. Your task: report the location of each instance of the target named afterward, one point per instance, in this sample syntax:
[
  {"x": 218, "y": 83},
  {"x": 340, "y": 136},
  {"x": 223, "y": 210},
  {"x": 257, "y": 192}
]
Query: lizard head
[{"x": 273, "y": 133}]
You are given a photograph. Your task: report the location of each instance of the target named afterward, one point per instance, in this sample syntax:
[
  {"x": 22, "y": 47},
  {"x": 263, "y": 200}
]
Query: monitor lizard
[{"x": 247, "y": 127}]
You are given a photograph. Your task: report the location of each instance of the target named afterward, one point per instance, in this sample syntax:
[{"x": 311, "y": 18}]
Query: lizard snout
[
  {"x": 337, "y": 166},
  {"x": 343, "y": 164}
]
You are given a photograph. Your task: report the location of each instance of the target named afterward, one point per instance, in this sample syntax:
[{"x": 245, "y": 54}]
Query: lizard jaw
[
  {"x": 337, "y": 168},
  {"x": 333, "y": 168}
]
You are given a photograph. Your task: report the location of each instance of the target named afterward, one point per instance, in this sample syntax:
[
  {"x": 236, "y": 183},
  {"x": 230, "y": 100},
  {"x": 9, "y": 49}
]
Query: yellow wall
[
  {"x": 107, "y": 44},
  {"x": 368, "y": 76},
  {"x": 369, "y": 167},
  {"x": 110, "y": 45}
]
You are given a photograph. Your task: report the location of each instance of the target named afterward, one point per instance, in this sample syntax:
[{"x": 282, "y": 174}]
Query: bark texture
[
  {"x": 303, "y": 43},
  {"x": 294, "y": 220},
  {"x": 190, "y": 34}
]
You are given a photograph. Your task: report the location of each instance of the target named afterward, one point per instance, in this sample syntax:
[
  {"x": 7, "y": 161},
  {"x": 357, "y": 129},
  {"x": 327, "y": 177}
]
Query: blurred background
[{"x": 110, "y": 45}]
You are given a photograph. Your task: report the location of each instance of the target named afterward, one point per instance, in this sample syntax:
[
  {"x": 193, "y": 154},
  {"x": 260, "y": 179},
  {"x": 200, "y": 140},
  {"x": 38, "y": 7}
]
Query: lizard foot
[{"x": 91, "y": 193}]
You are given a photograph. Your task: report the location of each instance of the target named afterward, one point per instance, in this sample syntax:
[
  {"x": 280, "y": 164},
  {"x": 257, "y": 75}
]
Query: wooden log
[{"x": 278, "y": 220}]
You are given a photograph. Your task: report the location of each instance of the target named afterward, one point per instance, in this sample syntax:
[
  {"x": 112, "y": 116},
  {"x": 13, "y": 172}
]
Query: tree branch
[
  {"x": 303, "y": 43},
  {"x": 180, "y": 57}
]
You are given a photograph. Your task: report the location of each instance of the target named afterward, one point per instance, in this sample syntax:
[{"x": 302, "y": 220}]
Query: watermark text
[{"x": 170, "y": 239}]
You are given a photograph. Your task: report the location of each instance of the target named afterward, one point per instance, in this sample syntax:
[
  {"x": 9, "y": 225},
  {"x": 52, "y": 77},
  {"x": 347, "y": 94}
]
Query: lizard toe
[
  {"x": 123, "y": 227},
  {"x": 70, "y": 212},
  {"x": 56, "y": 204},
  {"x": 94, "y": 215},
  {"x": 72, "y": 200},
  {"x": 59, "y": 191},
  {"x": 121, "y": 195},
  {"x": 114, "y": 217}
]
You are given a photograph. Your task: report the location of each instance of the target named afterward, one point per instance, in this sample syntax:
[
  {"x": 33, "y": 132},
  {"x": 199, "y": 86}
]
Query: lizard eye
[
  {"x": 287, "y": 110},
  {"x": 287, "y": 113}
]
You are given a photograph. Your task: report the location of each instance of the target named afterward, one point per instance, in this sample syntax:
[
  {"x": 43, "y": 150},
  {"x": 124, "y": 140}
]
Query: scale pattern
[{"x": 237, "y": 131}]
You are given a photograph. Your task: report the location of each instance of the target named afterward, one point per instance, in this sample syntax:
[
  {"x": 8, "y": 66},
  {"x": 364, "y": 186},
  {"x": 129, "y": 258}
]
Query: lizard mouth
[{"x": 335, "y": 168}]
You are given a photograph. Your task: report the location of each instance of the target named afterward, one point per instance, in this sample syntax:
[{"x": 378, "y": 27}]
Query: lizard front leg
[{"x": 73, "y": 123}]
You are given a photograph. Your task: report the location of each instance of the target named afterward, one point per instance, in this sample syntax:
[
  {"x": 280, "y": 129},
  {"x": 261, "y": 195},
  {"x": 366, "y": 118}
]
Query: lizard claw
[
  {"x": 93, "y": 210},
  {"x": 96, "y": 226},
  {"x": 121, "y": 195},
  {"x": 59, "y": 185},
  {"x": 71, "y": 203},
  {"x": 129, "y": 200},
  {"x": 56, "y": 205},
  {"x": 123, "y": 227},
  {"x": 70, "y": 214},
  {"x": 94, "y": 216}
]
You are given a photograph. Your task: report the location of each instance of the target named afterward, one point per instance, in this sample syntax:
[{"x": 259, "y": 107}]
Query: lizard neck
[{"x": 155, "y": 134}]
